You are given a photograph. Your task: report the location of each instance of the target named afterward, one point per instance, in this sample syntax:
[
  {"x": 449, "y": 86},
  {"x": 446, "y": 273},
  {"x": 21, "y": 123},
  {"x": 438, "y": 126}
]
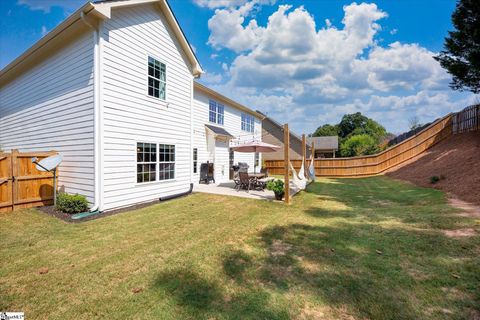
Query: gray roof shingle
[
  {"x": 219, "y": 131},
  {"x": 324, "y": 143}
]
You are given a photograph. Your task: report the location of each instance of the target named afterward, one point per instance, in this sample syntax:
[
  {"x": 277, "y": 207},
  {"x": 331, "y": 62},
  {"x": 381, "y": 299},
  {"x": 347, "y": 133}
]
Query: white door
[{"x": 221, "y": 160}]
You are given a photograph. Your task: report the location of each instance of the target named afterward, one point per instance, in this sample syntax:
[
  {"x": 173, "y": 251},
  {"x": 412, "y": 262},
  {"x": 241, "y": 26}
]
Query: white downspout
[
  {"x": 191, "y": 130},
  {"x": 96, "y": 117}
]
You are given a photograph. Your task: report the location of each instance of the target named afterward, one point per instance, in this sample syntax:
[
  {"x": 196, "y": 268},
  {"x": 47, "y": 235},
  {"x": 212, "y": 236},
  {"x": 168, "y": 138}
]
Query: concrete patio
[{"x": 228, "y": 189}]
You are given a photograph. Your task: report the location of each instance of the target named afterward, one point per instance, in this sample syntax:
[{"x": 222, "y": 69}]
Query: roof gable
[
  {"x": 216, "y": 95},
  {"x": 90, "y": 14}
]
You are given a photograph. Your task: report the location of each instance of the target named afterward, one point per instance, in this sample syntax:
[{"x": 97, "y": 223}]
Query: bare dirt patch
[
  {"x": 460, "y": 233},
  {"x": 279, "y": 248},
  {"x": 456, "y": 159},
  {"x": 469, "y": 210},
  {"x": 382, "y": 203}
]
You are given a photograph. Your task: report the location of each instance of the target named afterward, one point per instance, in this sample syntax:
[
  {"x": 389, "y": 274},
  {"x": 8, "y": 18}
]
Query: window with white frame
[
  {"x": 166, "y": 164},
  {"x": 157, "y": 78},
  {"x": 216, "y": 112},
  {"x": 248, "y": 122},
  {"x": 149, "y": 161},
  {"x": 195, "y": 160},
  {"x": 146, "y": 162}
]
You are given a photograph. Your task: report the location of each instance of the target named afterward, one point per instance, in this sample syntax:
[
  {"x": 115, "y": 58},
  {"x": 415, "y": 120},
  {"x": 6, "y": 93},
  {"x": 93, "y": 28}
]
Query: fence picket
[
  {"x": 21, "y": 184},
  {"x": 466, "y": 120}
]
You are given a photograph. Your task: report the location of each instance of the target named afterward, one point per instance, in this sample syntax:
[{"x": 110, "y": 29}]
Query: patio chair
[
  {"x": 259, "y": 184},
  {"x": 245, "y": 181},
  {"x": 243, "y": 167},
  {"x": 265, "y": 172}
]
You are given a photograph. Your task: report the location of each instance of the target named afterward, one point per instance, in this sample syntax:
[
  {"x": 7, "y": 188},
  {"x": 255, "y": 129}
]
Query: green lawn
[{"x": 369, "y": 248}]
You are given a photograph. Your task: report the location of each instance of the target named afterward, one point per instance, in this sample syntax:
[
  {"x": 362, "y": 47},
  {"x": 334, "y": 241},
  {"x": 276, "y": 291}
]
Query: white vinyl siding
[
  {"x": 218, "y": 151},
  {"x": 131, "y": 115},
  {"x": 51, "y": 107}
]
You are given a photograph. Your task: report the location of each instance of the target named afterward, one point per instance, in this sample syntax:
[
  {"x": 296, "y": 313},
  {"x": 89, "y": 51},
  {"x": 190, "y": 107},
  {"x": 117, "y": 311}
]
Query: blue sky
[{"x": 303, "y": 62}]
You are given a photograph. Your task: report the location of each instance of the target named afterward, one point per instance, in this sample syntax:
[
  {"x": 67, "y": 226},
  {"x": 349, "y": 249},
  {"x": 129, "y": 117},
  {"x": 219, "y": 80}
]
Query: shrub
[
  {"x": 434, "y": 179},
  {"x": 71, "y": 203},
  {"x": 358, "y": 145},
  {"x": 276, "y": 186}
]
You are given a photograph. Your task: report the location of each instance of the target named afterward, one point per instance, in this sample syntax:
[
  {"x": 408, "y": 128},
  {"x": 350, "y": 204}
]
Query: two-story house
[{"x": 112, "y": 89}]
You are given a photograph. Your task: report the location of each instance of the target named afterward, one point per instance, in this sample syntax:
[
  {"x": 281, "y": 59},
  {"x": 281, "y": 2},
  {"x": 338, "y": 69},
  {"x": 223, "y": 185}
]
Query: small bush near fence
[
  {"x": 434, "y": 179},
  {"x": 71, "y": 203}
]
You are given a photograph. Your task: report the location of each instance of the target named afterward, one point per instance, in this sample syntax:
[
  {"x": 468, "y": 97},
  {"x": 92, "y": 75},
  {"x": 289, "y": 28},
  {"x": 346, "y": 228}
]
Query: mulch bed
[
  {"x": 456, "y": 160},
  {"x": 50, "y": 210}
]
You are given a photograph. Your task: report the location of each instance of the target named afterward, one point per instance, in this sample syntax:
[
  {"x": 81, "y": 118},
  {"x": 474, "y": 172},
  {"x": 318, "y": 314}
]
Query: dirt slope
[{"x": 457, "y": 159}]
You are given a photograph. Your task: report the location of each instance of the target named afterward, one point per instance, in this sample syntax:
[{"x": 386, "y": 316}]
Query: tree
[
  {"x": 414, "y": 123},
  {"x": 357, "y": 124},
  {"x": 350, "y": 122},
  {"x": 326, "y": 130},
  {"x": 461, "y": 57},
  {"x": 358, "y": 145}
]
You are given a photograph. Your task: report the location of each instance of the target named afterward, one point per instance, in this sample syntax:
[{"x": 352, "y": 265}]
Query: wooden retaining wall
[
  {"x": 21, "y": 184},
  {"x": 378, "y": 163}
]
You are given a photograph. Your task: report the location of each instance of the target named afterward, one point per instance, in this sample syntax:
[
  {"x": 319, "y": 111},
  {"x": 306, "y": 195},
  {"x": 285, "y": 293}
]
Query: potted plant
[{"x": 277, "y": 187}]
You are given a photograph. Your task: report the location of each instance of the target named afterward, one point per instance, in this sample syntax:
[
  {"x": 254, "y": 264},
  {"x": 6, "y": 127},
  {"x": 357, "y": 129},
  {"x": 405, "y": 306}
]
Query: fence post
[
  {"x": 286, "y": 160},
  {"x": 14, "y": 173},
  {"x": 304, "y": 151},
  {"x": 313, "y": 157},
  {"x": 477, "y": 119}
]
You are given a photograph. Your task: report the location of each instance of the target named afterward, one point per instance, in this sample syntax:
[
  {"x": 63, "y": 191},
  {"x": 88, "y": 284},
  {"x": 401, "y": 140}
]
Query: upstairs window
[
  {"x": 157, "y": 78},
  {"x": 248, "y": 122},
  {"x": 216, "y": 112}
]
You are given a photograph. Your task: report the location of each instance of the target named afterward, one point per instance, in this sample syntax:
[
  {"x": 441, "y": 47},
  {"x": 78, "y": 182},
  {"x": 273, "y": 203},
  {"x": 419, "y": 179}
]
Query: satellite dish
[{"x": 48, "y": 164}]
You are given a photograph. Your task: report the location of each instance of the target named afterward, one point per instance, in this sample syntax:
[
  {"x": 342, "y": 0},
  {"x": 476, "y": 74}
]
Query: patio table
[{"x": 256, "y": 175}]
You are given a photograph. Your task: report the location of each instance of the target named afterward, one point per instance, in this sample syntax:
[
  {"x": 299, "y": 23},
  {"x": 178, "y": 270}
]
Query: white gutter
[
  {"x": 97, "y": 111},
  {"x": 191, "y": 131}
]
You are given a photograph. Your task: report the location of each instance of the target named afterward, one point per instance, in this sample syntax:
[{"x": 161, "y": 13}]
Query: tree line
[{"x": 358, "y": 135}]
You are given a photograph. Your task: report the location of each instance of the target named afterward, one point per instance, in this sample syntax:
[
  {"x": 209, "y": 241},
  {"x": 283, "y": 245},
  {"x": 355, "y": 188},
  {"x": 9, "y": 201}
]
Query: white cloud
[
  {"x": 47, "y": 5},
  {"x": 227, "y": 29},
  {"x": 44, "y": 31},
  {"x": 308, "y": 76},
  {"x": 211, "y": 78},
  {"x": 212, "y": 4},
  {"x": 406, "y": 66}
]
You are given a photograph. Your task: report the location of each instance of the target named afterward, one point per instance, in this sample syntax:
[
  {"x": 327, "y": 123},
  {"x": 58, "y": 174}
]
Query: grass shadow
[
  {"x": 372, "y": 272},
  {"x": 201, "y": 298},
  {"x": 235, "y": 264},
  {"x": 189, "y": 288}
]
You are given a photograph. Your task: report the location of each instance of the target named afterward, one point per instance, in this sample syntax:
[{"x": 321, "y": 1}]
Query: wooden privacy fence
[
  {"x": 378, "y": 163},
  {"x": 466, "y": 120},
  {"x": 21, "y": 184}
]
